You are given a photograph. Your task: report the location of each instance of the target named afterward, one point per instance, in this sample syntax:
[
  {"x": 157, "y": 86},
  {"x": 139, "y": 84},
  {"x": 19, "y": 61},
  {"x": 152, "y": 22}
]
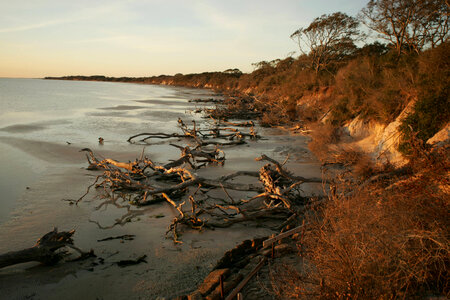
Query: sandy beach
[{"x": 171, "y": 270}]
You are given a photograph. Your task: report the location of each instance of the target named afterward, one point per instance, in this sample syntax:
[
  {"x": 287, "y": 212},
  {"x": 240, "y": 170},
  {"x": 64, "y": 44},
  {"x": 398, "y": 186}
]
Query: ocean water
[
  {"x": 36, "y": 113},
  {"x": 80, "y": 111}
]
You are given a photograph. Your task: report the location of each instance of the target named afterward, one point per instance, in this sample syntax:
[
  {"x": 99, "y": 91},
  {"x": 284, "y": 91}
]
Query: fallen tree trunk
[{"x": 44, "y": 251}]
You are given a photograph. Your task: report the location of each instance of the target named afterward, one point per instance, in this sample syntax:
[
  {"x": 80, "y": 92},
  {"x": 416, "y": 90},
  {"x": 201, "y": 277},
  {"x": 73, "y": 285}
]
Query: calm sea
[{"x": 76, "y": 113}]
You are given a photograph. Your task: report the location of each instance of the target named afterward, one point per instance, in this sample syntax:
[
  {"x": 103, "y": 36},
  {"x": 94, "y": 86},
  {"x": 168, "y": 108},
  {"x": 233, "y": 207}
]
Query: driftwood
[
  {"x": 44, "y": 251},
  {"x": 144, "y": 182},
  {"x": 203, "y": 136}
]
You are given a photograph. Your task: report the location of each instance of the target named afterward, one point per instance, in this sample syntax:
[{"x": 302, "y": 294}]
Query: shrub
[
  {"x": 340, "y": 111},
  {"x": 323, "y": 135},
  {"x": 387, "y": 240},
  {"x": 309, "y": 113},
  {"x": 432, "y": 109},
  {"x": 373, "y": 87}
]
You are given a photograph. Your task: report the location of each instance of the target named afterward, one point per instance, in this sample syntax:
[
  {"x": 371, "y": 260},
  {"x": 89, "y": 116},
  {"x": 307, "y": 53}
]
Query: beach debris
[
  {"x": 126, "y": 237},
  {"x": 238, "y": 288},
  {"x": 237, "y": 107},
  {"x": 86, "y": 255},
  {"x": 143, "y": 182},
  {"x": 233, "y": 271},
  {"x": 131, "y": 262},
  {"x": 158, "y": 216},
  {"x": 209, "y": 100},
  {"x": 215, "y": 134},
  {"x": 45, "y": 250},
  {"x": 100, "y": 140},
  {"x": 271, "y": 241}
]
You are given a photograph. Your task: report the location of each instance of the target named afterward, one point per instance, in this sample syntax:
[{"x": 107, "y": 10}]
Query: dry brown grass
[
  {"x": 323, "y": 135},
  {"x": 362, "y": 166},
  {"x": 387, "y": 240},
  {"x": 348, "y": 155}
]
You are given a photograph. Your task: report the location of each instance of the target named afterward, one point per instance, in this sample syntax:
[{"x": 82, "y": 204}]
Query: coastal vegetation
[{"x": 383, "y": 231}]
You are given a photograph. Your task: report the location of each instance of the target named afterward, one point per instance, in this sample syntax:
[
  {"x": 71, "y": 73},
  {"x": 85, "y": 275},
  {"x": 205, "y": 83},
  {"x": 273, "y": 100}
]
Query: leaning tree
[{"x": 328, "y": 39}]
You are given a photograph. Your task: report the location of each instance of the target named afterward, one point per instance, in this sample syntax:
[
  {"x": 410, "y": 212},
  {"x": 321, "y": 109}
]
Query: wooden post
[
  {"x": 270, "y": 241},
  {"x": 222, "y": 292},
  {"x": 245, "y": 280}
]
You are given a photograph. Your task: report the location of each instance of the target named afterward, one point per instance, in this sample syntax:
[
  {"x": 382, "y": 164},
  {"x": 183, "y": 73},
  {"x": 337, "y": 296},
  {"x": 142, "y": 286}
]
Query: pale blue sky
[{"x": 143, "y": 38}]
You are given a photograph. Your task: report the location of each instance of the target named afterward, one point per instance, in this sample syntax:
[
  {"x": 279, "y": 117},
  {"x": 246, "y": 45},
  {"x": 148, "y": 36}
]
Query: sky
[{"x": 41, "y": 38}]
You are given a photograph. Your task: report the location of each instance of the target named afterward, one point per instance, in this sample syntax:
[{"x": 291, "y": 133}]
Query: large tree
[
  {"x": 329, "y": 38},
  {"x": 408, "y": 25}
]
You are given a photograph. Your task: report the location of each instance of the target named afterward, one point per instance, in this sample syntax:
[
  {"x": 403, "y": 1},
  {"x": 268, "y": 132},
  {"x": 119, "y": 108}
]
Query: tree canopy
[
  {"x": 408, "y": 25},
  {"x": 329, "y": 38}
]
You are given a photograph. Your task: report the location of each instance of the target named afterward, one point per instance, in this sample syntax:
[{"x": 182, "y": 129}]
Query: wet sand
[{"x": 170, "y": 270}]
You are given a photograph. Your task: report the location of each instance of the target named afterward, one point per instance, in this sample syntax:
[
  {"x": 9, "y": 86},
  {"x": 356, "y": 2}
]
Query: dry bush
[
  {"x": 432, "y": 109},
  {"x": 323, "y": 135},
  {"x": 361, "y": 164},
  {"x": 288, "y": 282},
  {"x": 278, "y": 112},
  {"x": 348, "y": 156},
  {"x": 271, "y": 118},
  {"x": 365, "y": 167},
  {"x": 373, "y": 88},
  {"x": 382, "y": 242},
  {"x": 310, "y": 113}
]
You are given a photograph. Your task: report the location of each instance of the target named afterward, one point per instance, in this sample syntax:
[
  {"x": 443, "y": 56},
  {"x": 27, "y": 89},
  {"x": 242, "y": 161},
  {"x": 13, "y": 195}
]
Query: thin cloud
[
  {"x": 35, "y": 26},
  {"x": 120, "y": 38},
  {"x": 83, "y": 15}
]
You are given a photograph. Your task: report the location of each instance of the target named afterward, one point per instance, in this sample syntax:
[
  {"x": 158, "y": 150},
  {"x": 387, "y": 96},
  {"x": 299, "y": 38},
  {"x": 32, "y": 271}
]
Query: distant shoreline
[{"x": 209, "y": 80}]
